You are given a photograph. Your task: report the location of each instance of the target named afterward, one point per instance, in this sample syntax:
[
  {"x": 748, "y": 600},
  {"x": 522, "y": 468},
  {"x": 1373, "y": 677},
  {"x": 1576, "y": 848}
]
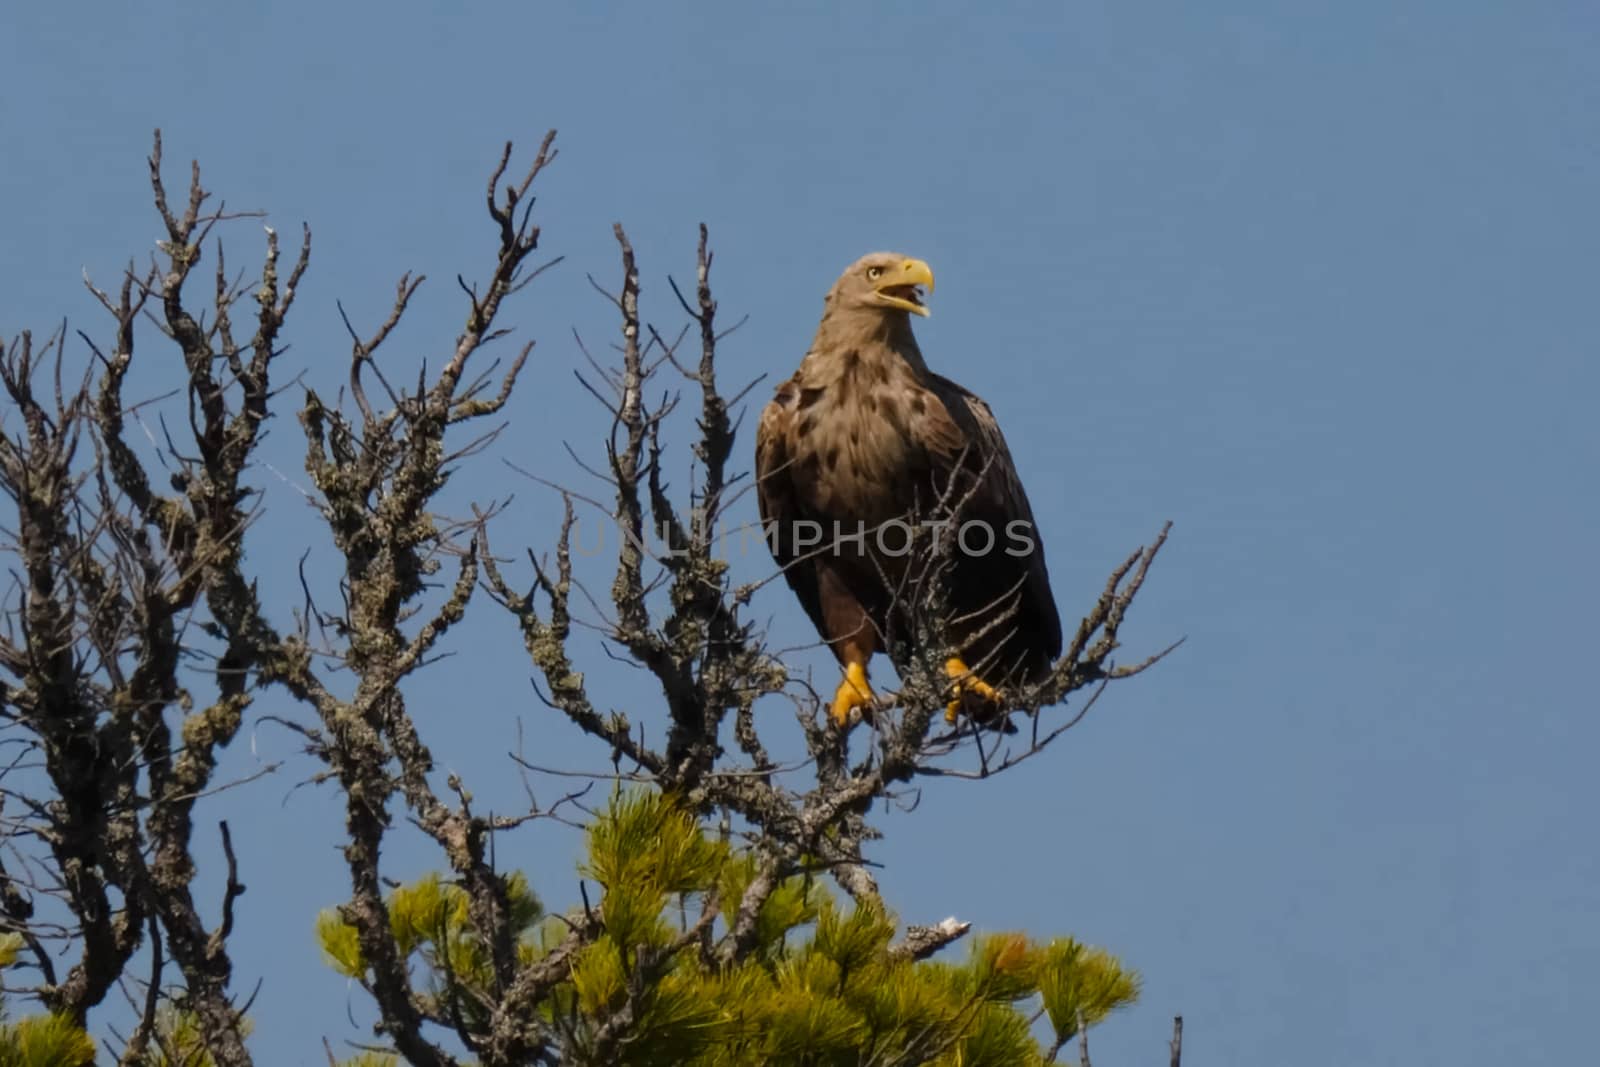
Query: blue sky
[{"x": 1314, "y": 281}]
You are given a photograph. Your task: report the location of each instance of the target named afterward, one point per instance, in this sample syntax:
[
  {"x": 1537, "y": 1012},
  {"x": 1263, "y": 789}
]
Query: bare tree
[{"x": 135, "y": 643}]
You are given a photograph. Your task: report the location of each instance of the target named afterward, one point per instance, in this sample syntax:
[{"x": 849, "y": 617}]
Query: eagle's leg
[
  {"x": 966, "y": 683},
  {"x": 854, "y": 639}
]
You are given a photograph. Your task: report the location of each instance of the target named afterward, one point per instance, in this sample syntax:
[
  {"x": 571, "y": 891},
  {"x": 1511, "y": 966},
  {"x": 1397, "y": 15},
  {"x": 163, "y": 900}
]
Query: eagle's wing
[
  {"x": 961, "y": 432},
  {"x": 779, "y": 502}
]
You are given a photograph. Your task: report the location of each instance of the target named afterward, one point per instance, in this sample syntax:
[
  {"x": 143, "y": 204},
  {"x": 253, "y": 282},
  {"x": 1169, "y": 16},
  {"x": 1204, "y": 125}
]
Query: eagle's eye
[{"x": 874, "y": 273}]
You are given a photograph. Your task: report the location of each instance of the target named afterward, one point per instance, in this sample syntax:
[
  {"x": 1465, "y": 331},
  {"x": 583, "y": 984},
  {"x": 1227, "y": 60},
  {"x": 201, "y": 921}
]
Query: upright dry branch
[
  {"x": 378, "y": 481},
  {"x": 122, "y": 581}
]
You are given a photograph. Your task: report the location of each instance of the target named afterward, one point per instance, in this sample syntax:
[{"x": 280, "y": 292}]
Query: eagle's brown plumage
[{"x": 865, "y": 434}]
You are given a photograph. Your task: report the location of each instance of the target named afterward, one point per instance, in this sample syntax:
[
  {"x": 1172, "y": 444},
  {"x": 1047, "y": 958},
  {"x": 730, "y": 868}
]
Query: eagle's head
[{"x": 885, "y": 281}]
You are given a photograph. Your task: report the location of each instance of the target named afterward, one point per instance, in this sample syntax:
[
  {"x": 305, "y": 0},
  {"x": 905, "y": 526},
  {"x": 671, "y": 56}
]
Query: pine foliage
[
  {"x": 819, "y": 986},
  {"x": 42, "y": 1040}
]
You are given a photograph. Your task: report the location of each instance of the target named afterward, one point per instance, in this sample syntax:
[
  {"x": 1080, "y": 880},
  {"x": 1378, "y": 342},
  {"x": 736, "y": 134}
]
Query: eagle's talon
[
  {"x": 852, "y": 698},
  {"x": 967, "y": 686}
]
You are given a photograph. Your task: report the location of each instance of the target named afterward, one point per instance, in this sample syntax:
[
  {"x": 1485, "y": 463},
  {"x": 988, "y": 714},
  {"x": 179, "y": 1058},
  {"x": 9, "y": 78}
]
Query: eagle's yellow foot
[
  {"x": 967, "y": 685},
  {"x": 853, "y": 694}
]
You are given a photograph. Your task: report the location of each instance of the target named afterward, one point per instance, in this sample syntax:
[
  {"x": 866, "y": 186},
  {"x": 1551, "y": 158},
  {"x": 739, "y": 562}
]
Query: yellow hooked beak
[{"x": 898, "y": 288}]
